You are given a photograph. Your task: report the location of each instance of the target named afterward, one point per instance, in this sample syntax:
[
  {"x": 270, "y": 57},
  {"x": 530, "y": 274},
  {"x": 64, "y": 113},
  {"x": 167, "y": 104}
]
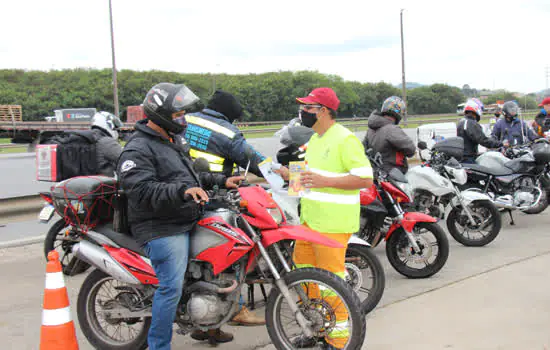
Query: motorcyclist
[
  {"x": 105, "y": 127},
  {"x": 511, "y": 130},
  {"x": 542, "y": 119},
  {"x": 158, "y": 177},
  {"x": 472, "y": 132},
  {"x": 211, "y": 135},
  {"x": 385, "y": 136}
]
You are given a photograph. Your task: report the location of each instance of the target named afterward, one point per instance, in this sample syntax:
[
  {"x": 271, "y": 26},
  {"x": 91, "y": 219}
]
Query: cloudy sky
[{"x": 486, "y": 44}]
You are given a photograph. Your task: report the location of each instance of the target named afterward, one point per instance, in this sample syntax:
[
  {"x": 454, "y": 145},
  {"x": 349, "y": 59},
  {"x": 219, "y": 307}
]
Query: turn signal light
[{"x": 243, "y": 204}]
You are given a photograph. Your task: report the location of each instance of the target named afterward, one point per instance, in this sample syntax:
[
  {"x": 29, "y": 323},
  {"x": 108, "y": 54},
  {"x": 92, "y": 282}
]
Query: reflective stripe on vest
[
  {"x": 215, "y": 162},
  {"x": 332, "y": 210},
  {"x": 210, "y": 125}
]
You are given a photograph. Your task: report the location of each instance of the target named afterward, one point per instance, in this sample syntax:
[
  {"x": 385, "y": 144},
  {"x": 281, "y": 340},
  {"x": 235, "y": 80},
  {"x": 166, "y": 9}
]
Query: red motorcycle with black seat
[
  {"x": 384, "y": 212},
  {"x": 241, "y": 232}
]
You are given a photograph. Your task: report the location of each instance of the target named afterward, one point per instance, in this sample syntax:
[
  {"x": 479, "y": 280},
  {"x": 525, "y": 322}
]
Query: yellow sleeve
[{"x": 354, "y": 158}]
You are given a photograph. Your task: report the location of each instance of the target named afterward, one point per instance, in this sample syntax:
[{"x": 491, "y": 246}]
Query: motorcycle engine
[
  {"x": 207, "y": 309},
  {"x": 524, "y": 192},
  {"x": 424, "y": 203}
]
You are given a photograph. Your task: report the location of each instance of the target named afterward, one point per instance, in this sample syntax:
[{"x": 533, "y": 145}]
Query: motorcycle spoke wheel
[
  {"x": 61, "y": 239},
  {"x": 101, "y": 293},
  {"x": 319, "y": 309},
  {"x": 365, "y": 275}
]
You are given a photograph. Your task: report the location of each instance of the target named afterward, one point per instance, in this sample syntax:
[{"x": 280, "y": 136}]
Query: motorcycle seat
[
  {"x": 495, "y": 171},
  {"x": 123, "y": 240}
]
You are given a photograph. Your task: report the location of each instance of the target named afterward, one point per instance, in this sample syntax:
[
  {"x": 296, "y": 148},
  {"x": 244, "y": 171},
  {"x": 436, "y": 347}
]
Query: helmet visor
[{"x": 184, "y": 98}]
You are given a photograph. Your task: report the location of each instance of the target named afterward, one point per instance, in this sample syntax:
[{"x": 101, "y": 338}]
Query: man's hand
[
  {"x": 283, "y": 171},
  {"x": 198, "y": 194},
  {"x": 234, "y": 181},
  {"x": 312, "y": 180},
  {"x": 506, "y": 143}
]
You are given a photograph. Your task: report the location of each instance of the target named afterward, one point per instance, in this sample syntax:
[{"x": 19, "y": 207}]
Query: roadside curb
[{"x": 22, "y": 242}]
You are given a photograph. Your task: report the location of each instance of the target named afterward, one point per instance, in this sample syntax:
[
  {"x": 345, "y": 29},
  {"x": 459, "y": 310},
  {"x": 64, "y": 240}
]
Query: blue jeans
[{"x": 169, "y": 259}]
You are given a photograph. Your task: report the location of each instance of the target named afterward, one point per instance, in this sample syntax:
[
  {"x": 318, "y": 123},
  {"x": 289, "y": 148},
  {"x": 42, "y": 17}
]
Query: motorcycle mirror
[
  {"x": 422, "y": 145},
  {"x": 201, "y": 165}
]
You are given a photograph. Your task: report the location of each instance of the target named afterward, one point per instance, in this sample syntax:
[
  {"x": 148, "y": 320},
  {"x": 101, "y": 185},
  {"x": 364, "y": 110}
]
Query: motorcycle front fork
[{"x": 280, "y": 282}]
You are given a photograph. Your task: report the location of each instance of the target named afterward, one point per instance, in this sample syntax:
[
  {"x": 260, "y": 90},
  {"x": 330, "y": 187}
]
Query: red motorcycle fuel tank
[{"x": 217, "y": 239}]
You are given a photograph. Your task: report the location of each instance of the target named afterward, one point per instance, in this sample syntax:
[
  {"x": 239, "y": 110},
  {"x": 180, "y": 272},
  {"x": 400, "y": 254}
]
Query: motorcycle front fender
[
  {"x": 297, "y": 232},
  {"x": 410, "y": 219},
  {"x": 356, "y": 240},
  {"x": 469, "y": 196}
]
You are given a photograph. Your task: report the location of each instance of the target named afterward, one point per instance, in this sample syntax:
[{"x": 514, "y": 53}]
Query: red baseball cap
[
  {"x": 546, "y": 101},
  {"x": 323, "y": 96}
]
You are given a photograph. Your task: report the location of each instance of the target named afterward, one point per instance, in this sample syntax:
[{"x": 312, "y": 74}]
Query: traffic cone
[{"x": 57, "y": 331}]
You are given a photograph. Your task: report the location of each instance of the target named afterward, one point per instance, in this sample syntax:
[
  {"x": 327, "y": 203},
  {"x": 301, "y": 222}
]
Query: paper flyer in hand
[
  {"x": 275, "y": 180},
  {"x": 295, "y": 186}
]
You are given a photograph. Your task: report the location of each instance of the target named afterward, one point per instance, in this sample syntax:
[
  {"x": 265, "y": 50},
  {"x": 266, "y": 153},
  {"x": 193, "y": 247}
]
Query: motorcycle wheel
[
  {"x": 57, "y": 240},
  {"x": 365, "y": 275},
  {"x": 319, "y": 312},
  {"x": 539, "y": 208},
  {"x": 455, "y": 217},
  {"x": 89, "y": 299},
  {"x": 398, "y": 246}
]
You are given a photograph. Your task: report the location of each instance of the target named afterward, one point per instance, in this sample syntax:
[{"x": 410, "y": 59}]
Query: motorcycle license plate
[{"x": 46, "y": 213}]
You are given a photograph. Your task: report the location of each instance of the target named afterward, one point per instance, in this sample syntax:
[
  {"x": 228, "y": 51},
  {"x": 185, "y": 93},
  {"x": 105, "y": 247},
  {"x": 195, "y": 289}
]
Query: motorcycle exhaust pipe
[
  {"x": 98, "y": 257},
  {"x": 211, "y": 287},
  {"x": 503, "y": 205}
]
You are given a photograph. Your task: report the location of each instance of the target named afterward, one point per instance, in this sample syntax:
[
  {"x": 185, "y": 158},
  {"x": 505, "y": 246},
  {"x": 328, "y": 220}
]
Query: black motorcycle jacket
[
  {"x": 472, "y": 133},
  {"x": 155, "y": 173}
]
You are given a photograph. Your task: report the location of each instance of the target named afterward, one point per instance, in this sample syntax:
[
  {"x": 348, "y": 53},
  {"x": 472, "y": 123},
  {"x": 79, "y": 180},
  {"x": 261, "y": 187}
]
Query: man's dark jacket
[
  {"x": 155, "y": 173},
  {"x": 472, "y": 133},
  {"x": 390, "y": 140}
]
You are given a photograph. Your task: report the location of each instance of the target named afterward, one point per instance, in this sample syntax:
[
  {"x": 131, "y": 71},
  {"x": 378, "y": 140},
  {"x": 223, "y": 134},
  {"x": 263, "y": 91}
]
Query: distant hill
[{"x": 410, "y": 85}]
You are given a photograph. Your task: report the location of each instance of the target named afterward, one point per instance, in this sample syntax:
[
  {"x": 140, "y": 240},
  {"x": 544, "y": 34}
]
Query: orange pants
[{"x": 307, "y": 254}]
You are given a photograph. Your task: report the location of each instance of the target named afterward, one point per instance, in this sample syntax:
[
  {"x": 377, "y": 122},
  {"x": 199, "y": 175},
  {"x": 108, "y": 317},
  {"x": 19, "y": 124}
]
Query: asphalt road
[
  {"x": 18, "y": 175},
  {"x": 494, "y": 297}
]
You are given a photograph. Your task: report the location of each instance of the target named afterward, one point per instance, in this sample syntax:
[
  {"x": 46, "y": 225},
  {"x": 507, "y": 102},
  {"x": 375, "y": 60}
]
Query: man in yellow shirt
[{"x": 337, "y": 169}]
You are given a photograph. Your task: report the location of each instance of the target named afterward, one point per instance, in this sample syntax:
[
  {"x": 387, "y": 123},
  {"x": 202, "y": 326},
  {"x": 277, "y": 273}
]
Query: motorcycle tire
[
  {"x": 392, "y": 246},
  {"x": 494, "y": 213},
  {"x": 89, "y": 323},
  {"x": 368, "y": 261},
  {"x": 539, "y": 208},
  {"x": 70, "y": 264},
  {"x": 297, "y": 277}
]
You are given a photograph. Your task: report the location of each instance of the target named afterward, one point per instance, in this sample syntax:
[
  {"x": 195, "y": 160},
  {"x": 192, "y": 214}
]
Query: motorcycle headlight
[{"x": 276, "y": 215}]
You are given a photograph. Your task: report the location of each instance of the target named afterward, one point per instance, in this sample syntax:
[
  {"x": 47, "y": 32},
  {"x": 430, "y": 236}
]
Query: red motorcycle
[
  {"x": 383, "y": 211},
  {"x": 241, "y": 232}
]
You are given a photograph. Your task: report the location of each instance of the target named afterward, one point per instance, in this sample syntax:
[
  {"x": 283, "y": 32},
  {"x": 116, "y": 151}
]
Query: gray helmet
[{"x": 510, "y": 110}]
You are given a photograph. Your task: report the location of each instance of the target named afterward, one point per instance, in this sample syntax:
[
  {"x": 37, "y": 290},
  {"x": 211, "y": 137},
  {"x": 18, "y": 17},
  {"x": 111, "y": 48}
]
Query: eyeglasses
[{"x": 309, "y": 107}]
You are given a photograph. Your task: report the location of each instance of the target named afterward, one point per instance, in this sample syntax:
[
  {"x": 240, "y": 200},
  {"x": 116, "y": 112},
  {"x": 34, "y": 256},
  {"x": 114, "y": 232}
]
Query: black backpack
[{"x": 76, "y": 154}]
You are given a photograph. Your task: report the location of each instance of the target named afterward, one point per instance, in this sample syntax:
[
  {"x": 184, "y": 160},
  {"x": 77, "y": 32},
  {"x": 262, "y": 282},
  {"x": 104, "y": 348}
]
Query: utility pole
[
  {"x": 403, "y": 69},
  {"x": 115, "y": 85},
  {"x": 547, "y": 75}
]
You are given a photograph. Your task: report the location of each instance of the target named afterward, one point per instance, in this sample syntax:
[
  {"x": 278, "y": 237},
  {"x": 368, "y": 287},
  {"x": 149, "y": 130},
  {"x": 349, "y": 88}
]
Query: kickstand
[{"x": 511, "y": 218}]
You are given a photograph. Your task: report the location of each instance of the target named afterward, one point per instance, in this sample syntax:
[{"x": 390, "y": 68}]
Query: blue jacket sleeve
[
  {"x": 241, "y": 152},
  {"x": 497, "y": 130}
]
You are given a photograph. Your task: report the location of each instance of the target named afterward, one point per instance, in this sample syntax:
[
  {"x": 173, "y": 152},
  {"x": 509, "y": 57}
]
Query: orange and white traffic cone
[{"x": 57, "y": 331}]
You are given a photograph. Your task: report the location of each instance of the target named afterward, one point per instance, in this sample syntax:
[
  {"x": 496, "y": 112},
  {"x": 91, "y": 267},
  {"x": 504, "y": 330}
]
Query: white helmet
[{"x": 107, "y": 122}]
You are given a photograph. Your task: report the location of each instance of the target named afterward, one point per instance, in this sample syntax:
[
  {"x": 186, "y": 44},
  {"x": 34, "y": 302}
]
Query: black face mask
[{"x": 308, "y": 119}]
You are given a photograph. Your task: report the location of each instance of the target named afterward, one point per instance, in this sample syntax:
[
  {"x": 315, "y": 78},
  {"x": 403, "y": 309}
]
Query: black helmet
[
  {"x": 226, "y": 104},
  {"x": 163, "y": 100},
  {"x": 394, "y": 106},
  {"x": 510, "y": 110}
]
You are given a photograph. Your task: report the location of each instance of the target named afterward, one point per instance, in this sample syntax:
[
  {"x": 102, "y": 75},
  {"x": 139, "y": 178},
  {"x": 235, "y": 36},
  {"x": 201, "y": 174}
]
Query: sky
[{"x": 483, "y": 43}]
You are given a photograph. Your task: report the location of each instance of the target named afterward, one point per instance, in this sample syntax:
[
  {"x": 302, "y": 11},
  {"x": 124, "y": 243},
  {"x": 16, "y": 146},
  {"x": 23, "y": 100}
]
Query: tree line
[{"x": 267, "y": 96}]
